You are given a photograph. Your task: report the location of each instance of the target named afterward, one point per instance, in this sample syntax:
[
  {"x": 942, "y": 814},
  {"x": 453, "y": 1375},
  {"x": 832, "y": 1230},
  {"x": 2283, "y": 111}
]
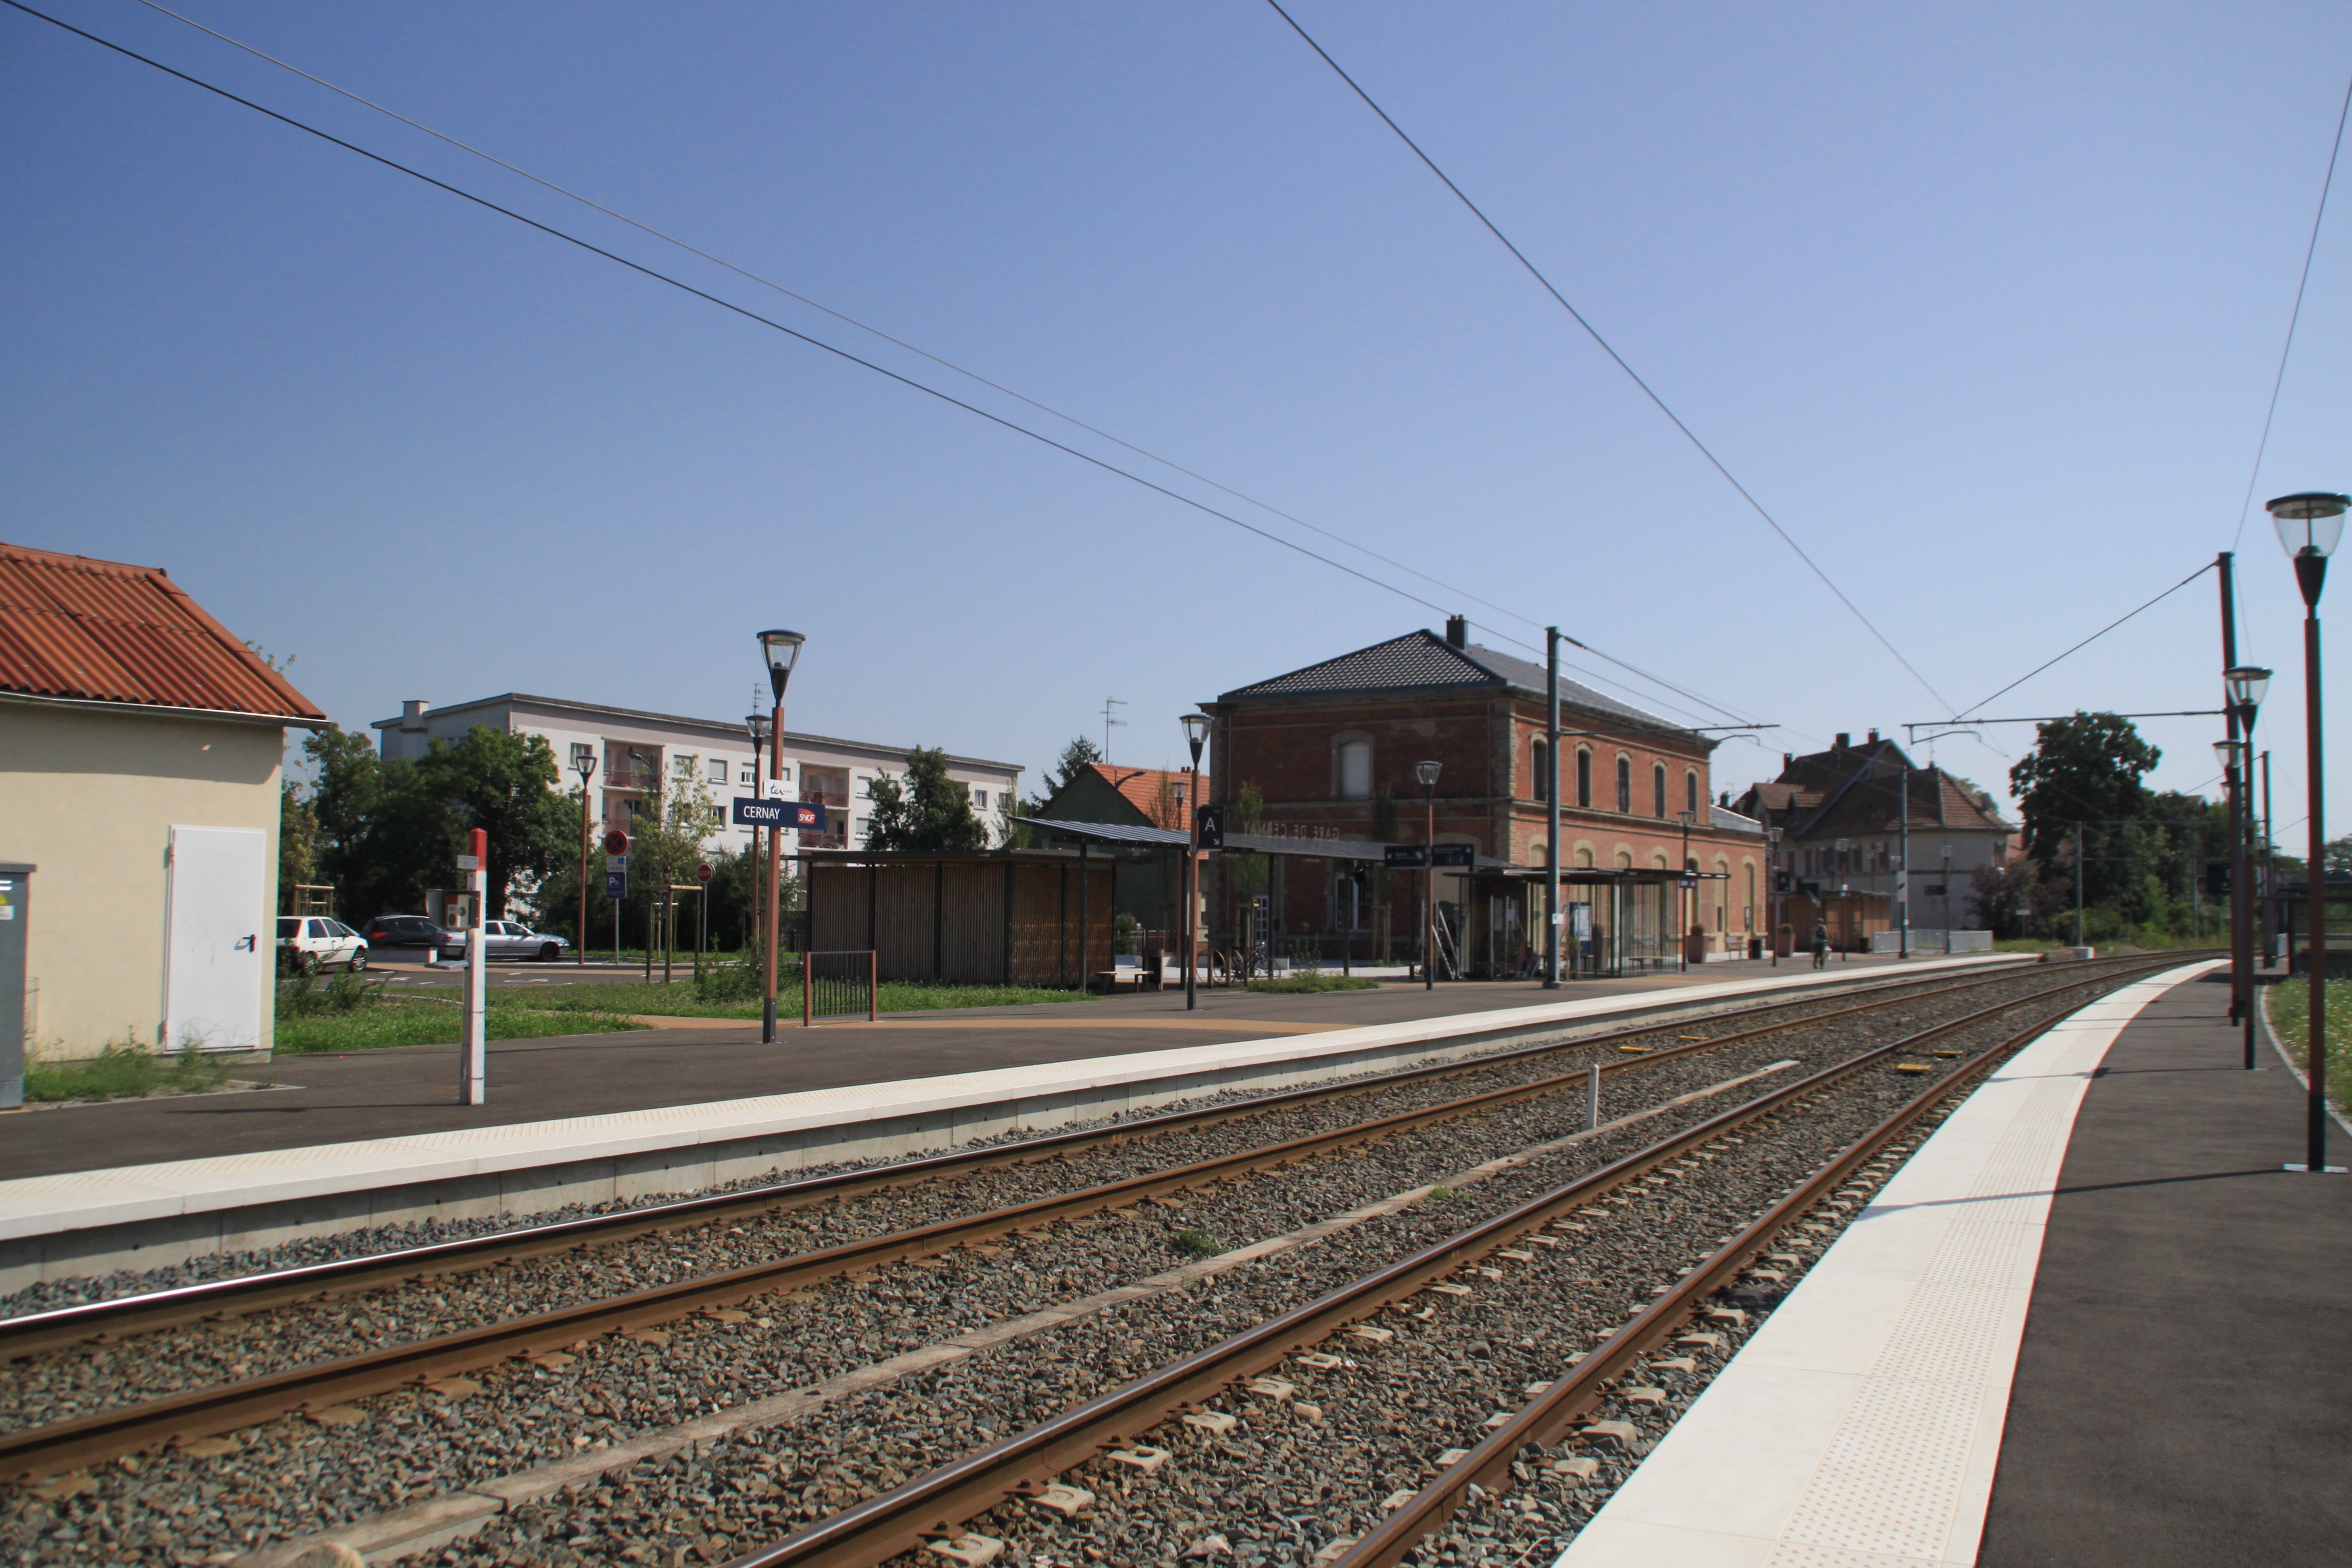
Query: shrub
[{"x": 124, "y": 1071}]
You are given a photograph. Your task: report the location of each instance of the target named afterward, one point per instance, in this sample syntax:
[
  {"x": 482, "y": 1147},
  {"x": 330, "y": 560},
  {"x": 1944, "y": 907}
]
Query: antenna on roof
[{"x": 1110, "y": 724}]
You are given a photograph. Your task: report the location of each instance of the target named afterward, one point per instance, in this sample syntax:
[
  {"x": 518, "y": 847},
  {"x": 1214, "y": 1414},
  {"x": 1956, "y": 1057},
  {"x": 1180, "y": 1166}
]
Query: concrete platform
[
  {"x": 2091, "y": 1321},
  {"x": 375, "y": 1137}
]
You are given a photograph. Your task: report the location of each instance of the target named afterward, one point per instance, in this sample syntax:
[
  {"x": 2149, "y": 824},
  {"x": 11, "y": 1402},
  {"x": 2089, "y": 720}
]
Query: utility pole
[
  {"x": 1551, "y": 979},
  {"x": 2078, "y": 884},
  {"x": 1903, "y": 876},
  {"x": 2241, "y": 979}
]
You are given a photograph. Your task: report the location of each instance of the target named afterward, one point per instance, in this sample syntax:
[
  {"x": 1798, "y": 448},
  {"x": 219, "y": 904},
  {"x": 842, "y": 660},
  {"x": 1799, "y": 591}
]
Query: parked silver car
[{"x": 513, "y": 939}]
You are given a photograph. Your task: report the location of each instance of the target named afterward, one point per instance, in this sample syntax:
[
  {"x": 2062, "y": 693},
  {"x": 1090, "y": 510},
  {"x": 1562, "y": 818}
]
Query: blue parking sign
[{"x": 616, "y": 884}]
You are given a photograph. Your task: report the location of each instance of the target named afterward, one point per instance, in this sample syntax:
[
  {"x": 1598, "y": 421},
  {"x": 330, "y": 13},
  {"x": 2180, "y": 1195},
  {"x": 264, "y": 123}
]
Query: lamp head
[
  {"x": 2226, "y": 753},
  {"x": 2310, "y": 525},
  {"x": 761, "y": 727},
  {"x": 781, "y": 649},
  {"x": 1196, "y": 732},
  {"x": 2248, "y": 684},
  {"x": 1688, "y": 817},
  {"x": 1426, "y": 772},
  {"x": 1772, "y": 837}
]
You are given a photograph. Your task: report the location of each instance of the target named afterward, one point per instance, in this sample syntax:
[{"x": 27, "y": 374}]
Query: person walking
[{"x": 1820, "y": 945}]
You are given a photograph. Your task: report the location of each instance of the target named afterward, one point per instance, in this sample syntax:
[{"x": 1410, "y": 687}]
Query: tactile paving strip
[{"x": 1815, "y": 1450}]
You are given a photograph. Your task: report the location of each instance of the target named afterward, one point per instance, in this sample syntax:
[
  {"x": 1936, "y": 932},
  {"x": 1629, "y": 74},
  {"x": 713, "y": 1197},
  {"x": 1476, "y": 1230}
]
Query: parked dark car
[{"x": 413, "y": 931}]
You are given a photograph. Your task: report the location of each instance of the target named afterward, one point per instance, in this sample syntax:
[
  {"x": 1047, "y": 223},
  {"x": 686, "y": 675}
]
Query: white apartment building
[{"x": 632, "y": 749}]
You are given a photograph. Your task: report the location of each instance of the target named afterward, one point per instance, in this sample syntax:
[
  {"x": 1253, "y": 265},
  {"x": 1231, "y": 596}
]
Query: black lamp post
[
  {"x": 1196, "y": 732},
  {"x": 781, "y": 649},
  {"x": 1426, "y": 772},
  {"x": 1772, "y": 893},
  {"x": 1683, "y": 904},
  {"x": 2309, "y": 527},
  {"x": 2247, "y": 685}
]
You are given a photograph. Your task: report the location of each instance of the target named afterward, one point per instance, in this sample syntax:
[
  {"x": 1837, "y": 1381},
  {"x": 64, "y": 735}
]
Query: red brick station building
[{"x": 1329, "y": 752}]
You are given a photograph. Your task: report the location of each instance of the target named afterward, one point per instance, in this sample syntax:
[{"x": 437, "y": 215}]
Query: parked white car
[{"x": 310, "y": 943}]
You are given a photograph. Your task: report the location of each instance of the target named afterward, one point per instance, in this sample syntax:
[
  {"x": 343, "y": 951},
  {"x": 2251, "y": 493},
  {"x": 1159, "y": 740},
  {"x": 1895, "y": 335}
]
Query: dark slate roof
[{"x": 1425, "y": 662}]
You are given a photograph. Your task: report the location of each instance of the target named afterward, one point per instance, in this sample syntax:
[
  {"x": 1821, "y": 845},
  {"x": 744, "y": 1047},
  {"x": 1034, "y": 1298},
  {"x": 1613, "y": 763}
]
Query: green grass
[
  {"x": 123, "y": 1072},
  {"x": 2289, "y": 1002},
  {"x": 1312, "y": 983},
  {"x": 1197, "y": 1243},
  {"x": 406, "y": 1022},
  {"x": 680, "y": 1001}
]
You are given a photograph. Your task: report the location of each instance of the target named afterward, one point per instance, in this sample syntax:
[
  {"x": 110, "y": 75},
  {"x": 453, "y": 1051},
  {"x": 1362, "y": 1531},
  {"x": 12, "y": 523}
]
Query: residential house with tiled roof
[
  {"x": 1841, "y": 815},
  {"x": 1149, "y": 882},
  {"x": 1332, "y": 749},
  {"x": 138, "y": 815}
]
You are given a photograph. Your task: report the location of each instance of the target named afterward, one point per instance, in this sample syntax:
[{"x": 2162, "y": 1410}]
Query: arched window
[
  {"x": 1584, "y": 859},
  {"x": 1625, "y": 787},
  {"x": 1625, "y": 860},
  {"x": 1690, "y": 792},
  {"x": 1355, "y": 770},
  {"x": 1658, "y": 788},
  {"x": 1543, "y": 770},
  {"x": 1748, "y": 911},
  {"x": 1584, "y": 775}
]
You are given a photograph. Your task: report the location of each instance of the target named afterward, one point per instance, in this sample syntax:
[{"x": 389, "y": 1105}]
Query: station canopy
[{"x": 1140, "y": 837}]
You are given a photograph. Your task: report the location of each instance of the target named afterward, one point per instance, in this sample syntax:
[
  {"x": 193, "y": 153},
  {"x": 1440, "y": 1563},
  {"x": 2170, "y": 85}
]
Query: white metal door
[{"x": 215, "y": 962}]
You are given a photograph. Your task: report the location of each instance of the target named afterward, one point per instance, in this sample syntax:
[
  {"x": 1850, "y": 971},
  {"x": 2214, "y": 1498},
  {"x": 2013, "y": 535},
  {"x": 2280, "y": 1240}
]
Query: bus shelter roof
[{"x": 1251, "y": 843}]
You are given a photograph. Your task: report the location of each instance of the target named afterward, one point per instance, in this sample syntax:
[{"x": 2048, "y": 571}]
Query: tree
[
  {"x": 1076, "y": 758},
  {"x": 2086, "y": 768},
  {"x": 666, "y": 837},
  {"x": 929, "y": 812},
  {"x": 503, "y": 783},
  {"x": 297, "y": 842}
]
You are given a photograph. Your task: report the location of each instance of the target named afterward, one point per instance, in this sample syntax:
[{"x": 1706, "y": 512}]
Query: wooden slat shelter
[{"x": 990, "y": 917}]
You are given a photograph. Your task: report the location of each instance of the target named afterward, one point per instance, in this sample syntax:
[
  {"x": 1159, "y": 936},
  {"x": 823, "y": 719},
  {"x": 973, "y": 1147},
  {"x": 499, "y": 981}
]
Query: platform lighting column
[
  {"x": 1684, "y": 903},
  {"x": 757, "y": 724},
  {"x": 1845, "y": 887},
  {"x": 781, "y": 649},
  {"x": 1903, "y": 874},
  {"x": 2231, "y": 754},
  {"x": 1552, "y": 910},
  {"x": 2309, "y": 527},
  {"x": 1947, "y": 900},
  {"x": 2225, "y": 579},
  {"x": 1772, "y": 893},
  {"x": 585, "y": 766},
  {"x": 1196, "y": 733},
  {"x": 2247, "y": 684},
  {"x": 1426, "y": 772}
]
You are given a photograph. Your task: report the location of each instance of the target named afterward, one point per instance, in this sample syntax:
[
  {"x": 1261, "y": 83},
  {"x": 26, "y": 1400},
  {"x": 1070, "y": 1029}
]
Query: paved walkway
[
  {"x": 2184, "y": 1393},
  {"x": 362, "y": 1095}
]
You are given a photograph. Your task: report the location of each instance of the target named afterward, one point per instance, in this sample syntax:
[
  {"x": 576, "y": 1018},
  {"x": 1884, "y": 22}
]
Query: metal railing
[{"x": 838, "y": 985}]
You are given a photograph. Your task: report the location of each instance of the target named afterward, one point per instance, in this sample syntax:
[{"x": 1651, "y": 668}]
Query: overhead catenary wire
[
  {"x": 1462, "y": 595},
  {"x": 2294, "y": 317},
  {"x": 2085, "y": 643},
  {"x": 1633, "y": 375}
]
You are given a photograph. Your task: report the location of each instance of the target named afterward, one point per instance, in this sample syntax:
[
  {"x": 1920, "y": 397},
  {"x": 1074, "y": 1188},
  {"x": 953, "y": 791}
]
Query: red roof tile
[
  {"x": 1152, "y": 791},
  {"x": 71, "y": 626}
]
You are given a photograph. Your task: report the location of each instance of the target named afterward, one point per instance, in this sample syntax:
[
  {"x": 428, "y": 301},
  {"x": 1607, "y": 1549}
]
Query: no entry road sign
[
  {"x": 787, "y": 814},
  {"x": 703, "y": 873}
]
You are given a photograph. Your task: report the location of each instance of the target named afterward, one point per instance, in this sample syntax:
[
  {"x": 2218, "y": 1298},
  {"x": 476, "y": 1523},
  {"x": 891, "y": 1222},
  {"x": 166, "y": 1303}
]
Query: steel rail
[
  {"x": 122, "y": 1317},
  {"x": 936, "y": 1504},
  {"x": 1547, "y": 1418},
  {"x": 145, "y": 1425}
]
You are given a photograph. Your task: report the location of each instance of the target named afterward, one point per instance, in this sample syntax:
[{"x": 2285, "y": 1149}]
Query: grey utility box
[{"x": 16, "y": 898}]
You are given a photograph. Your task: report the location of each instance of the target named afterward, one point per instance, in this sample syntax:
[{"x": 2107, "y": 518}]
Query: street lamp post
[
  {"x": 2231, "y": 754},
  {"x": 1772, "y": 893},
  {"x": 781, "y": 650},
  {"x": 2247, "y": 686},
  {"x": 2309, "y": 527},
  {"x": 1683, "y": 902},
  {"x": 757, "y": 724},
  {"x": 1426, "y": 772},
  {"x": 585, "y": 766},
  {"x": 1947, "y": 898},
  {"x": 1196, "y": 732},
  {"x": 1845, "y": 899}
]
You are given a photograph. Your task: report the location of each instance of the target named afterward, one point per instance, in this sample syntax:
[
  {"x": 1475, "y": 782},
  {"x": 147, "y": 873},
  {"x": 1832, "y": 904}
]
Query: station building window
[
  {"x": 1658, "y": 788},
  {"x": 1625, "y": 788},
  {"x": 1690, "y": 792},
  {"x": 1354, "y": 767},
  {"x": 1584, "y": 775},
  {"x": 1543, "y": 770}
]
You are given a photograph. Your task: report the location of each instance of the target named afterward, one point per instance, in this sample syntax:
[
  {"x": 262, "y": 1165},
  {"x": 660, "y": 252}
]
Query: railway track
[
  {"x": 1026, "y": 1469},
  {"x": 123, "y": 1317},
  {"x": 181, "y": 1419}
]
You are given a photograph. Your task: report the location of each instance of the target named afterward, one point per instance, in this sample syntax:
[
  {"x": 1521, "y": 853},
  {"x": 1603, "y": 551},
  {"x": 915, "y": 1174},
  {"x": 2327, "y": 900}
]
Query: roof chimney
[
  {"x": 1788, "y": 759},
  {"x": 1845, "y": 739},
  {"x": 1874, "y": 737},
  {"x": 1458, "y": 631},
  {"x": 411, "y": 711}
]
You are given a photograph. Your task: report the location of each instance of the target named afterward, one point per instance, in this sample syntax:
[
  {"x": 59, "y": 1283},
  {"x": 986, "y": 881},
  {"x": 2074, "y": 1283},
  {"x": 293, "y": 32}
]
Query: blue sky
[{"x": 1984, "y": 303}]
